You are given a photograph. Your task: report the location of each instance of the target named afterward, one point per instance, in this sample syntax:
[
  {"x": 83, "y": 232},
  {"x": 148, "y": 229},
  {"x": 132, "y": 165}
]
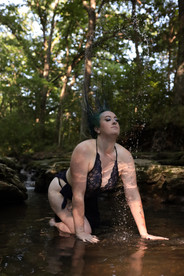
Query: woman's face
[{"x": 108, "y": 124}]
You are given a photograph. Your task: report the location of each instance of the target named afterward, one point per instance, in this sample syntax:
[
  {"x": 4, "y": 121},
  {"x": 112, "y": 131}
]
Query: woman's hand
[
  {"x": 153, "y": 238},
  {"x": 87, "y": 237}
]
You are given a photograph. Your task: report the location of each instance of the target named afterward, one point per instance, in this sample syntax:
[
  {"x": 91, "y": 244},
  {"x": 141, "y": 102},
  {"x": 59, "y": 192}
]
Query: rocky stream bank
[{"x": 160, "y": 176}]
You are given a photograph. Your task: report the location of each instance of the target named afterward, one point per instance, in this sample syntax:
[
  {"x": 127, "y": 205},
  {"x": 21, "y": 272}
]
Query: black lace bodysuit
[
  {"x": 94, "y": 177},
  {"x": 93, "y": 189}
]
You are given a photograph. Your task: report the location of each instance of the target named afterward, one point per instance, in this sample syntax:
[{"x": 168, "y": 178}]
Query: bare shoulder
[
  {"x": 82, "y": 155},
  {"x": 85, "y": 147},
  {"x": 84, "y": 151},
  {"x": 123, "y": 154},
  {"x": 126, "y": 164}
]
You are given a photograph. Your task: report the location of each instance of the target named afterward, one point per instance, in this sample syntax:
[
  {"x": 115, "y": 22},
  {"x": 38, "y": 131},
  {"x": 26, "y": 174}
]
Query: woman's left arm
[{"x": 128, "y": 176}]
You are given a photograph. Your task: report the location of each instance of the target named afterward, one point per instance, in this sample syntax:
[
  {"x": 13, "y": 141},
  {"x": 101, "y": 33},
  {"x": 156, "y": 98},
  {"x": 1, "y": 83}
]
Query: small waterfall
[{"x": 29, "y": 178}]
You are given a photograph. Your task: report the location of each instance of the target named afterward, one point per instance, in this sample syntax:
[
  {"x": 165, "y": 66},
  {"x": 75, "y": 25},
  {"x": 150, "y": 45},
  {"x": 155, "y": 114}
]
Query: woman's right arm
[
  {"x": 79, "y": 169},
  {"x": 128, "y": 176}
]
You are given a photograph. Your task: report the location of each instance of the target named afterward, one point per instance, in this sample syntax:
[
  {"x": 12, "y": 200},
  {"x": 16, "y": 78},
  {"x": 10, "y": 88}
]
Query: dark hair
[{"x": 94, "y": 121}]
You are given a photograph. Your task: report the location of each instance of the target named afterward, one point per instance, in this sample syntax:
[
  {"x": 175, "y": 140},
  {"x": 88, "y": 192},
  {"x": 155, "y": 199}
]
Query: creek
[{"x": 29, "y": 246}]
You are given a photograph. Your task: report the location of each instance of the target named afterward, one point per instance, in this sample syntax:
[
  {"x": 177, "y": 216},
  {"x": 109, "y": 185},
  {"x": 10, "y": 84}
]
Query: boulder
[
  {"x": 164, "y": 183},
  {"x": 45, "y": 171},
  {"x": 12, "y": 190},
  {"x": 157, "y": 180}
]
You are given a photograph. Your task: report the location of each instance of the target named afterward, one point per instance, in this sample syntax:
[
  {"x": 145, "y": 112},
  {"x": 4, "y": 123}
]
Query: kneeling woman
[{"x": 96, "y": 165}]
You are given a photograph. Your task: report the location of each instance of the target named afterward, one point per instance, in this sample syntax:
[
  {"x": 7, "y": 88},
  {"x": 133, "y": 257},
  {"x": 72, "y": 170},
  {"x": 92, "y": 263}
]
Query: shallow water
[{"x": 29, "y": 246}]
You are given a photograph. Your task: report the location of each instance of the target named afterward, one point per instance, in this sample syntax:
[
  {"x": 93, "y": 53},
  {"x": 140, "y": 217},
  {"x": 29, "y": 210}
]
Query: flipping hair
[
  {"x": 93, "y": 117},
  {"x": 94, "y": 120}
]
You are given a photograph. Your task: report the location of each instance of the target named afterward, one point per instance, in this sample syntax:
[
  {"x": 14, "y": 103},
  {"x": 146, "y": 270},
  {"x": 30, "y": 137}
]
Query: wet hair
[{"x": 94, "y": 121}]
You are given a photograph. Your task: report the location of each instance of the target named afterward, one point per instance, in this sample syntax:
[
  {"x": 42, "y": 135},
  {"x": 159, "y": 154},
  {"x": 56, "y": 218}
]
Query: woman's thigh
[
  {"x": 56, "y": 200},
  {"x": 54, "y": 196}
]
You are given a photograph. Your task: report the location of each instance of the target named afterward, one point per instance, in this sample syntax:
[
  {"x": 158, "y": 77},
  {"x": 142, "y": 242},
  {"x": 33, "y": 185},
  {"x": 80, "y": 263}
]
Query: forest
[{"x": 55, "y": 55}]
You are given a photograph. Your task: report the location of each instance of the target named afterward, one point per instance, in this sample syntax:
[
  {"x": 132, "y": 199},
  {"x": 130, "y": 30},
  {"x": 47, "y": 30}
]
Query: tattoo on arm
[{"x": 142, "y": 214}]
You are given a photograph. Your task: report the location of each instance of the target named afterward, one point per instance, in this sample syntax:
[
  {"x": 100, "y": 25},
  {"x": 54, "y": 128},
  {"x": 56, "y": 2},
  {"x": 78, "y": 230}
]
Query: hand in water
[
  {"x": 87, "y": 237},
  {"x": 153, "y": 238}
]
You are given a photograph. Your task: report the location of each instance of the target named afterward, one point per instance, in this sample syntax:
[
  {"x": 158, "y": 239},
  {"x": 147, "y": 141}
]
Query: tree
[
  {"x": 179, "y": 78},
  {"x": 84, "y": 50}
]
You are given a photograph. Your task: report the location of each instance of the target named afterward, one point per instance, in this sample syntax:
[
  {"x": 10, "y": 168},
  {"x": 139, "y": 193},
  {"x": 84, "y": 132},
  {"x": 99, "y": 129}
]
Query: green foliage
[{"x": 133, "y": 66}]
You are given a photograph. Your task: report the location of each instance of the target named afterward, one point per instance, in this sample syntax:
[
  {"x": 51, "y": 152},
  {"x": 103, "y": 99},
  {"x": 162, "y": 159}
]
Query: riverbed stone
[
  {"x": 12, "y": 190},
  {"x": 46, "y": 170},
  {"x": 164, "y": 183},
  {"x": 157, "y": 181}
]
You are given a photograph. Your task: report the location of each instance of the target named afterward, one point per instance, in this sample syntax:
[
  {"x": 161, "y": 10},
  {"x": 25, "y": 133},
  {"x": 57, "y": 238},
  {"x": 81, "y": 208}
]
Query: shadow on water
[{"x": 29, "y": 246}]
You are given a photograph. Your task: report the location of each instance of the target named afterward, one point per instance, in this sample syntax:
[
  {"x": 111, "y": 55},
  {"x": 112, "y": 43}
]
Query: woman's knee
[{"x": 63, "y": 227}]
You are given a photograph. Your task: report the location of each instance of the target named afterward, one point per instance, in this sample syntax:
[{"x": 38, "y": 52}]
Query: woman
[{"x": 96, "y": 165}]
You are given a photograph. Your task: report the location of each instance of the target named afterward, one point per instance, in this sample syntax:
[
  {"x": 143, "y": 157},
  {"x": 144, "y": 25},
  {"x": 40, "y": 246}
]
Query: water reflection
[
  {"x": 70, "y": 256},
  {"x": 66, "y": 255},
  {"x": 136, "y": 260},
  {"x": 29, "y": 246}
]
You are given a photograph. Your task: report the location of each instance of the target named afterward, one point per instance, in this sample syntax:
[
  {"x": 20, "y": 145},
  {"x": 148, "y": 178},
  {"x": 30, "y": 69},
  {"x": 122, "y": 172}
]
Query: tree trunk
[
  {"x": 179, "y": 77},
  {"x": 88, "y": 63},
  {"x": 136, "y": 34},
  {"x": 137, "y": 91},
  {"x": 47, "y": 41},
  {"x": 60, "y": 111}
]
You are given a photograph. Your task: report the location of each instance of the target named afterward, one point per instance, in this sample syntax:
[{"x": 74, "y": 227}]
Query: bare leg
[
  {"x": 63, "y": 228},
  {"x": 64, "y": 231},
  {"x": 55, "y": 200}
]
